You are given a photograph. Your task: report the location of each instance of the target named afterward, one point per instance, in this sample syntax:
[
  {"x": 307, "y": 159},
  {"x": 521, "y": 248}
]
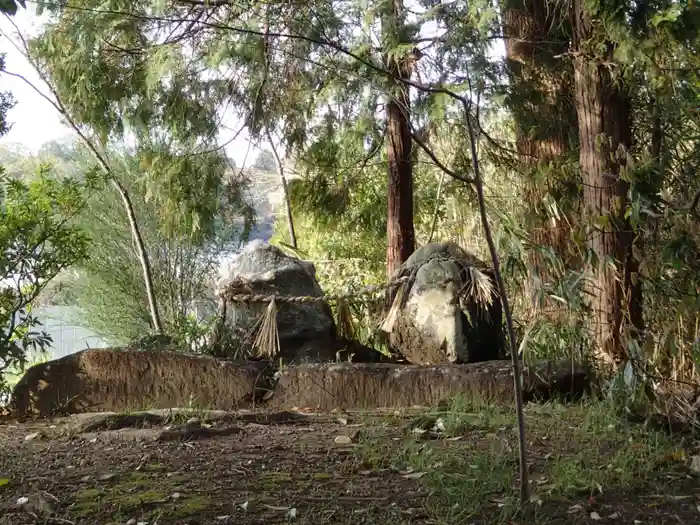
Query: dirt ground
[{"x": 359, "y": 469}]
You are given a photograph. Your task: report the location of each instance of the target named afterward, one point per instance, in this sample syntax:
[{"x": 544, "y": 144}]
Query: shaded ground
[{"x": 452, "y": 467}]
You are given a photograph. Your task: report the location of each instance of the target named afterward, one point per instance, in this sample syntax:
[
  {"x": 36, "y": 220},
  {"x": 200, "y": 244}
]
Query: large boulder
[
  {"x": 449, "y": 311},
  {"x": 306, "y": 329}
]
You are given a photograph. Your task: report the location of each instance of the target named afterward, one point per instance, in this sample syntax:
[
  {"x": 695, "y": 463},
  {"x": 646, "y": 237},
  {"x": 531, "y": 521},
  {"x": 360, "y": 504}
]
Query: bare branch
[{"x": 439, "y": 164}]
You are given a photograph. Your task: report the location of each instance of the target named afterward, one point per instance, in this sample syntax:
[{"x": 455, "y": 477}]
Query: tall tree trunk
[
  {"x": 604, "y": 117},
  {"x": 537, "y": 34},
  {"x": 400, "y": 232},
  {"x": 285, "y": 191}
]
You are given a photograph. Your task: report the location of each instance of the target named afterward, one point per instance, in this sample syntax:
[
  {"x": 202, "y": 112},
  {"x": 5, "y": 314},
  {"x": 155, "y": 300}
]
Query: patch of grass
[
  {"x": 575, "y": 453},
  {"x": 137, "y": 494}
]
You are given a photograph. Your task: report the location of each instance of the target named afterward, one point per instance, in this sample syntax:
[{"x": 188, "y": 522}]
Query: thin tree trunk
[
  {"x": 604, "y": 117},
  {"x": 285, "y": 192},
  {"x": 124, "y": 194},
  {"x": 141, "y": 252},
  {"x": 400, "y": 232},
  {"x": 438, "y": 194}
]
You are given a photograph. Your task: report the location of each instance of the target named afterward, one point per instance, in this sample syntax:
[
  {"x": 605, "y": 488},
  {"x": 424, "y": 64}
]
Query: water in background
[{"x": 67, "y": 338}]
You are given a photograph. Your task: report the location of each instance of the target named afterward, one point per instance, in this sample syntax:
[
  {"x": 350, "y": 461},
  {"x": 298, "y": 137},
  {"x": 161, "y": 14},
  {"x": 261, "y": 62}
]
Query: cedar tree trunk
[
  {"x": 399, "y": 229},
  {"x": 537, "y": 35},
  {"x": 604, "y": 117}
]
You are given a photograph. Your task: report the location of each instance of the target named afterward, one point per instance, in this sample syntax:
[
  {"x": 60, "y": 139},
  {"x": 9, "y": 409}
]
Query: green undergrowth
[
  {"x": 579, "y": 455},
  {"x": 137, "y": 495}
]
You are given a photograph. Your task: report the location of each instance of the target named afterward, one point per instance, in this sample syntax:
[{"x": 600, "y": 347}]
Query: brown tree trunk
[
  {"x": 537, "y": 34},
  {"x": 399, "y": 229},
  {"x": 604, "y": 117}
]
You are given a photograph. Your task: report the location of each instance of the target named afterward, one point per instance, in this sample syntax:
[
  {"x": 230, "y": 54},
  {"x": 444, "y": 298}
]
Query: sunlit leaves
[{"x": 38, "y": 239}]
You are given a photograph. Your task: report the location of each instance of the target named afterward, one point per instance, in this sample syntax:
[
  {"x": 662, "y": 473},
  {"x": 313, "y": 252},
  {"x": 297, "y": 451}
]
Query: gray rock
[
  {"x": 451, "y": 313},
  {"x": 306, "y": 329}
]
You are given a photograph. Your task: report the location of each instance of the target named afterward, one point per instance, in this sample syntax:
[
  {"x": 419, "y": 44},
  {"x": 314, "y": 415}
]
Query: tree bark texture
[
  {"x": 542, "y": 103},
  {"x": 400, "y": 231},
  {"x": 604, "y": 119}
]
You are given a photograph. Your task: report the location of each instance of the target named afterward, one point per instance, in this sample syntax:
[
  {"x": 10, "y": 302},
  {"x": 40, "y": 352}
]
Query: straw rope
[{"x": 232, "y": 294}]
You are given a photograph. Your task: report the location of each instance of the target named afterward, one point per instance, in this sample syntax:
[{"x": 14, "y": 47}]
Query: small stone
[
  {"x": 343, "y": 440},
  {"x": 32, "y": 436},
  {"x": 175, "y": 496},
  {"x": 193, "y": 421},
  {"x": 132, "y": 521},
  {"x": 595, "y": 516},
  {"x": 292, "y": 514}
]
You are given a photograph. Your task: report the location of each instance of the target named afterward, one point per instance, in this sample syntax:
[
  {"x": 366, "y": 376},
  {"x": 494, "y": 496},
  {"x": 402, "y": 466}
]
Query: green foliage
[
  {"x": 39, "y": 239},
  {"x": 10, "y": 7},
  {"x": 108, "y": 287},
  {"x": 130, "y": 67}
]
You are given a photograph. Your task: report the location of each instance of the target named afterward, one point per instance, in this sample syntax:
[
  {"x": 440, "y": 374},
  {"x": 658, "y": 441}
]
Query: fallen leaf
[
  {"x": 574, "y": 509},
  {"x": 535, "y": 498},
  {"x": 292, "y": 514},
  {"x": 272, "y": 507},
  {"x": 595, "y": 516},
  {"x": 614, "y": 516},
  {"x": 695, "y": 464},
  {"x": 4, "y": 481},
  {"x": 414, "y": 475}
]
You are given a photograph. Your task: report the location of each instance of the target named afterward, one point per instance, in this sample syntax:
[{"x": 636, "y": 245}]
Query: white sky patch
[{"x": 35, "y": 121}]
